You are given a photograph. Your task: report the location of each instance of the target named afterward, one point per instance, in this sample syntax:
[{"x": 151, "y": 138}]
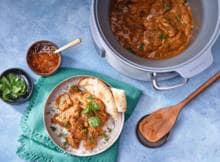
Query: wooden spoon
[{"x": 159, "y": 123}]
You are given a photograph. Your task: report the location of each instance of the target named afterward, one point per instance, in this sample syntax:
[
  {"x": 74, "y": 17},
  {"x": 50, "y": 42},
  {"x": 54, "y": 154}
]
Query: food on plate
[
  {"x": 12, "y": 87},
  {"x": 44, "y": 62},
  {"x": 152, "y": 29},
  {"x": 85, "y": 113},
  {"x": 120, "y": 99},
  {"x": 99, "y": 89}
]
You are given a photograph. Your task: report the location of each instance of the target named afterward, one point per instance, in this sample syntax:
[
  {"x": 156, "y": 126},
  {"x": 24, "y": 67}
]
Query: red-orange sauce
[
  {"x": 44, "y": 62},
  {"x": 153, "y": 29}
]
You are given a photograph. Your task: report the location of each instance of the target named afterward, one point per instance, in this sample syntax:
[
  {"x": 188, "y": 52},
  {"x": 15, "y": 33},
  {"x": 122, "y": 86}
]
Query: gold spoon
[
  {"x": 156, "y": 126},
  {"x": 70, "y": 44}
]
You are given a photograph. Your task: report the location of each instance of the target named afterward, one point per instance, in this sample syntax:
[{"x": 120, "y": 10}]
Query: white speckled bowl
[{"x": 47, "y": 121}]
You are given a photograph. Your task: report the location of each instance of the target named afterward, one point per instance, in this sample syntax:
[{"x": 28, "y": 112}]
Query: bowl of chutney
[{"x": 41, "y": 58}]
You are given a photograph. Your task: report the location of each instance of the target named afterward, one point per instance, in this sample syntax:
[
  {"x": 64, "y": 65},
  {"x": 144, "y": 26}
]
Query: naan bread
[
  {"x": 120, "y": 99},
  {"x": 100, "y": 90}
]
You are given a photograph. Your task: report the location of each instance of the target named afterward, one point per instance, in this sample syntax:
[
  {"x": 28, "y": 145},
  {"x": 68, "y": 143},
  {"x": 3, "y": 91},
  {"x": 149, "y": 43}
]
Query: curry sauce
[
  {"x": 152, "y": 29},
  {"x": 83, "y": 115}
]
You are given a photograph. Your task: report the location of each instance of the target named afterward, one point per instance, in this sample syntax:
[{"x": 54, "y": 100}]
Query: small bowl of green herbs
[{"x": 16, "y": 86}]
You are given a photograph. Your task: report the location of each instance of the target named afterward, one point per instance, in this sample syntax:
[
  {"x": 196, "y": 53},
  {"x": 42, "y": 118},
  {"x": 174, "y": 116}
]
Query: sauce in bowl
[
  {"x": 42, "y": 59},
  {"x": 44, "y": 62}
]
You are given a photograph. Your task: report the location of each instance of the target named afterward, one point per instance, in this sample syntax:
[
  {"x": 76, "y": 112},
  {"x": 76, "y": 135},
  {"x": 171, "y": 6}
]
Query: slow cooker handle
[
  {"x": 157, "y": 86},
  {"x": 187, "y": 71},
  {"x": 197, "y": 66}
]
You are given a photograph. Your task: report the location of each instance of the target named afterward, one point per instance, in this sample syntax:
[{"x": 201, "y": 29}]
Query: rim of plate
[{"x": 107, "y": 146}]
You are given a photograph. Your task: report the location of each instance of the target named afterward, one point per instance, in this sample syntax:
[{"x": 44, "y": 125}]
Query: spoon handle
[
  {"x": 199, "y": 90},
  {"x": 70, "y": 44}
]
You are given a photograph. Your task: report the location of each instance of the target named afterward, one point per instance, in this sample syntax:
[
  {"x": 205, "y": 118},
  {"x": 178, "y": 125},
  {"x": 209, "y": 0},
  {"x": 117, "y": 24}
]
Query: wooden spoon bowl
[{"x": 147, "y": 143}]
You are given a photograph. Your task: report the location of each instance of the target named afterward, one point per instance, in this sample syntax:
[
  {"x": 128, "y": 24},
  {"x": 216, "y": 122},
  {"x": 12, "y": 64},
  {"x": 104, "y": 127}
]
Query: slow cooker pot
[{"x": 195, "y": 59}]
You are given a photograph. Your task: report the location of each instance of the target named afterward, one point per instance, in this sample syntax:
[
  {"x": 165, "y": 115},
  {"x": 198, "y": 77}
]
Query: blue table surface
[{"x": 196, "y": 135}]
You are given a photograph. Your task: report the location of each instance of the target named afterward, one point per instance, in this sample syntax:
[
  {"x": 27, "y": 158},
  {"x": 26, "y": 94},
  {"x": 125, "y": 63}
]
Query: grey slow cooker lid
[{"x": 206, "y": 17}]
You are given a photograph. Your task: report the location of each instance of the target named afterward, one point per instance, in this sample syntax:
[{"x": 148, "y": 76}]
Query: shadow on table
[
  {"x": 67, "y": 60},
  {"x": 20, "y": 108}
]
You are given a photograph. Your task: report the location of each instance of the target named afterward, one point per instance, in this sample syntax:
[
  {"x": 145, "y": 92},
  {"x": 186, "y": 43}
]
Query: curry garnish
[
  {"x": 12, "y": 87},
  {"x": 94, "y": 121},
  {"x": 141, "y": 47},
  {"x": 178, "y": 18},
  {"x": 92, "y": 106},
  {"x": 105, "y": 136},
  {"x": 167, "y": 7},
  {"x": 163, "y": 36}
]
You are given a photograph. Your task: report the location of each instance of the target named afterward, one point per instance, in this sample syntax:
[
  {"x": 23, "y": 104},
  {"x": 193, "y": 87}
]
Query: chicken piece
[
  {"x": 92, "y": 136},
  {"x": 160, "y": 7},
  {"x": 166, "y": 27},
  {"x": 77, "y": 128},
  {"x": 63, "y": 102},
  {"x": 74, "y": 142},
  {"x": 63, "y": 119},
  {"x": 100, "y": 103},
  {"x": 90, "y": 143},
  {"x": 152, "y": 39},
  {"x": 81, "y": 97},
  {"x": 76, "y": 97},
  {"x": 103, "y": 117},
  {"x": 94, "y": 132}
]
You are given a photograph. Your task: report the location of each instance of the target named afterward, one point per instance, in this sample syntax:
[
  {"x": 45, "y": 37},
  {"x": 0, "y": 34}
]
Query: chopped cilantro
[
  {"x": 73, "y": 86},
  {"x": 86, "y": 111},
  {"x": 163, "y": 36},
  {"x": 94, "y": 121},
  {"x": 92, "y": 106},
  {"x": 105, "y": 136},
  {"x": 178, "y": 18},
  {"x": 90, "y": 97},
  {"x": 84, "y": 130},
  {"x": 141, "y": 47},
  {"x": 167, "y": 7},
  {"x": 12, "y": 87}
]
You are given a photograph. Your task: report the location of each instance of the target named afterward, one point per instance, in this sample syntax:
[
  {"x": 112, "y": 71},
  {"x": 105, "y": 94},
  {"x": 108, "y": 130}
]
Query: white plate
[{"x": 57, "y": 140}]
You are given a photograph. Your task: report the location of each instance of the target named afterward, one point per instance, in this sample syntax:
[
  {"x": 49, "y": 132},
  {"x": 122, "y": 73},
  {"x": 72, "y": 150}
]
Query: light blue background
[{"x": 197, "y": 133}]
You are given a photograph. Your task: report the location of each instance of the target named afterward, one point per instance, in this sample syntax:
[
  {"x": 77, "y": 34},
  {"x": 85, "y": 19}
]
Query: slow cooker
[{"x": 195, "y": 59}]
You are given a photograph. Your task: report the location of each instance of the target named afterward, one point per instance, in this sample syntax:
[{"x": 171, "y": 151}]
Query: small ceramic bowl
[
  {"x": 147, "y": 143},
  {"x": 40, "y": 47},
  {"x": 27, "y": 80}
]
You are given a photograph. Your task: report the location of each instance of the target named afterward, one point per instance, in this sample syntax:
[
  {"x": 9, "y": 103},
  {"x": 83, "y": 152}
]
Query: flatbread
[
  {"x": 120, "y": 99},
  {"x": 100, "y": 90}
]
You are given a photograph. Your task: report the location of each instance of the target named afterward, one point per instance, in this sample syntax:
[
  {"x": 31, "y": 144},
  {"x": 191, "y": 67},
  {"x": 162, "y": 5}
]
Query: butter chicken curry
[{"x": 152, "y": 29}]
